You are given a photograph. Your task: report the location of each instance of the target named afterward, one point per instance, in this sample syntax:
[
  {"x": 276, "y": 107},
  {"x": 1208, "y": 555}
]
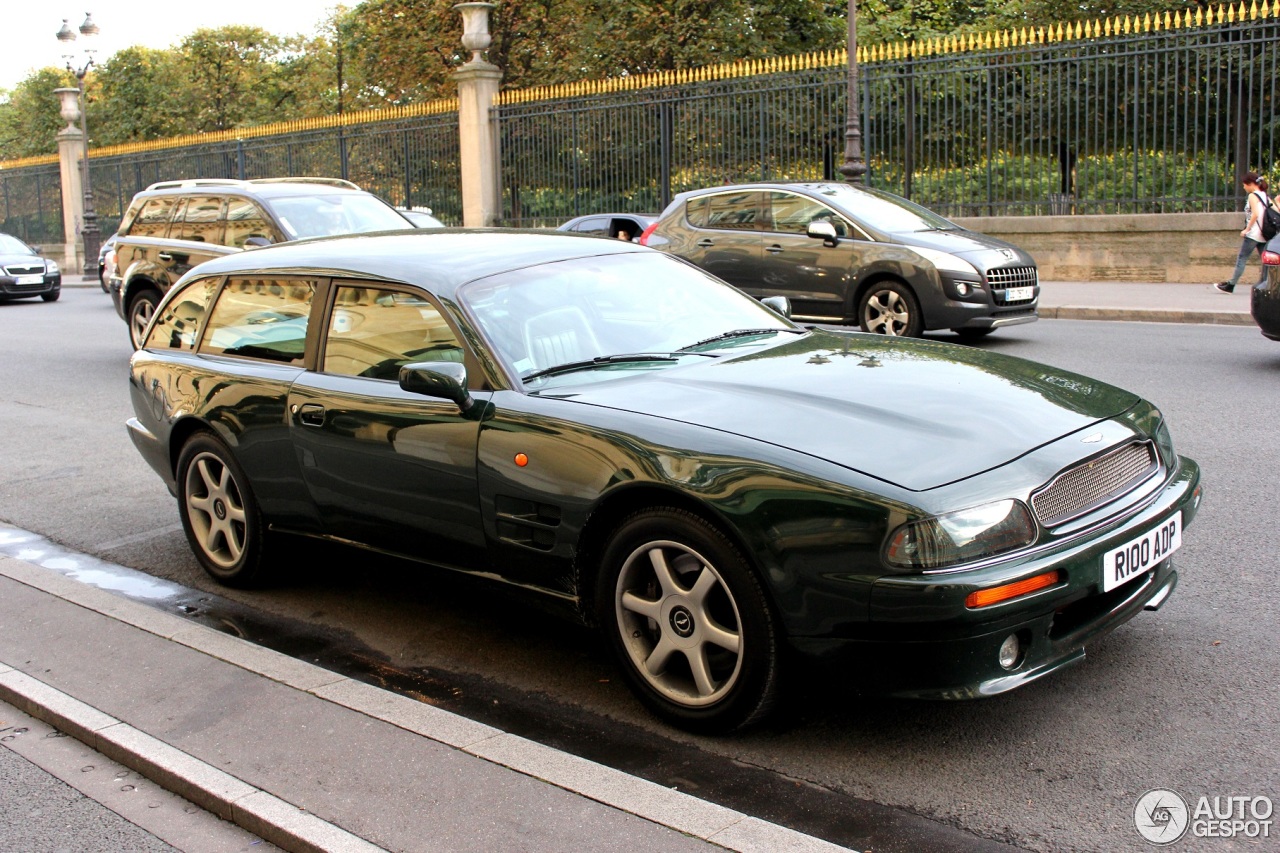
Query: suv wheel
[
  {"x": 890, "y": 308},
  {"x": 141, "y": 309}
]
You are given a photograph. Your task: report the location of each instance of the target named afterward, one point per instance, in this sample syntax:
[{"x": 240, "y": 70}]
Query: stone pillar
[
  {"x": 71, "y": 153},
  {"x": 478, "y": 83}
]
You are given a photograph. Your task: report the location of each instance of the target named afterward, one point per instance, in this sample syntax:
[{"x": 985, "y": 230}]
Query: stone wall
[{"x": 1172, "y": 247}]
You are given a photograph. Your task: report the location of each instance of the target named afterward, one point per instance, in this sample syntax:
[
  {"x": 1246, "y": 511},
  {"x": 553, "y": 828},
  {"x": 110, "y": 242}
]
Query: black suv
[
  {"x": 853, "y": 255},
  {"x": 174, "y": 225}
]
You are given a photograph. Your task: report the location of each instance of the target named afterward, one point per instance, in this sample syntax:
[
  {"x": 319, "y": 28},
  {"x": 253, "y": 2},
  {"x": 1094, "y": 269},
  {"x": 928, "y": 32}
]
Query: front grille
[
  {"x": 1096, "y": 482},
  {"x": 25, "y": 288},
  {"x": 1005, "y": 277},
  {"x": 24, "y": 269}
]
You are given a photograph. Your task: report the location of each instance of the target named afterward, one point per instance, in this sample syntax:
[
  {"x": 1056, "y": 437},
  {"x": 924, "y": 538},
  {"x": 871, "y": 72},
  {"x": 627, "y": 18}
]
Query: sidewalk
[
  {"x": 1151, "y": 302},
  {"x": 311, "y": 760}
]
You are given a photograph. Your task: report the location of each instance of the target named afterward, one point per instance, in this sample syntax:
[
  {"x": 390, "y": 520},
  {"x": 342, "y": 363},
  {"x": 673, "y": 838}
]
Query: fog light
[
  {"x": 1010, "y": 650},
  {"x": 962, "y": 288}
]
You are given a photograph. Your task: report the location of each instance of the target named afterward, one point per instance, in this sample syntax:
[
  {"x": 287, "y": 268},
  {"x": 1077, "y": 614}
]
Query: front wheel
[
  {"x": 689, "y": 622},
  {"x": 219, "y": 513},
  {"x": 52, "y": 296},
  {"x": 972, "y": 335},
  {"x": 142, "y": 307},
  {"x": 890, "y": 308}
]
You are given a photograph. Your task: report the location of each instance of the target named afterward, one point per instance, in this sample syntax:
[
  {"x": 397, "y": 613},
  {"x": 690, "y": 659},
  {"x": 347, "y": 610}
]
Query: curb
[
  {"x": 287, "y": 825},
  {"x": 1146, "y": 315}
]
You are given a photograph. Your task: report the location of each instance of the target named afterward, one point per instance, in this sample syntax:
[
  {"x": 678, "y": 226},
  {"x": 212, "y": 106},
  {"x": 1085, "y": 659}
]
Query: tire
[
  {"x": 890, "y": 308},
  {"x": 219, "y": 513},
  {"x": 51, "y": 297},
  {"x": 102, "y": 280},
  {"x": 141, "y": 308},
  {"x": 677, "y": 596},
  {"x": 971, "y": 335}
]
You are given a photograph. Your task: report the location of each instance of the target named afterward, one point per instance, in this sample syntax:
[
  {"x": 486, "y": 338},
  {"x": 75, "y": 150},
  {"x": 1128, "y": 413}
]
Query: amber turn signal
[{"x": 997, "y": 594}]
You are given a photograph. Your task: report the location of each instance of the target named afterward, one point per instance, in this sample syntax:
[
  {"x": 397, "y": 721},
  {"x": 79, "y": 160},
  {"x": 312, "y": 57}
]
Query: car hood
[
  {"x": 983, "y": 251},
  {"x": 918, "y": 414},
  {"x": 14, "y": 259}
]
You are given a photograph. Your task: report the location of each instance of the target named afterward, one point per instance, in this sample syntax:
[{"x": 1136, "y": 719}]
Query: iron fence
[{"x": 1159, "y": 121}]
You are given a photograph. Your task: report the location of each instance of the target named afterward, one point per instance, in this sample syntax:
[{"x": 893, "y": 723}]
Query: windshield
[
  {"x": 337, "y": 213},
  {"x": 14, "y": 246},
  {"x": 602, "y": 308},
  {"x": 885, "y": 211}
]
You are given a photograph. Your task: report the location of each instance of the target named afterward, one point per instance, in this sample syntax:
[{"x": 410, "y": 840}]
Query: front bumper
[
  {"x": 981, "y": 308},
  {"x": 10, "y": 289},
  {"x": 923, "y": 642}
]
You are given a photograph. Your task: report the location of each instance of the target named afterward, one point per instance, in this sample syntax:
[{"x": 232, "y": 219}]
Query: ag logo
[{"x": 1161, "y": 816}]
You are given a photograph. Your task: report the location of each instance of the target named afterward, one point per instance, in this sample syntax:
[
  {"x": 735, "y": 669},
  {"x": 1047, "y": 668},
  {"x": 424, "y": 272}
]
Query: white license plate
[
  {"x": 1139, "y": 555},
  {"x": 28, "y": 279},
  {"x": 1018, "y": 294}
]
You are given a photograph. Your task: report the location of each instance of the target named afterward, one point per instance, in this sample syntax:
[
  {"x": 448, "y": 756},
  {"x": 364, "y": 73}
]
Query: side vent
[{"x": 527, "y": 523}]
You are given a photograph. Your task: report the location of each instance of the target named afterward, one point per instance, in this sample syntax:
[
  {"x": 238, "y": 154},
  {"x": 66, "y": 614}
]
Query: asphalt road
[{"x": 1184, "y": 699}]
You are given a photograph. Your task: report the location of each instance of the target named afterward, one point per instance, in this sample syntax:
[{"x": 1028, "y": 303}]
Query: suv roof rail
[
  {"x": 197, "y": 182},
  {"x": 331, "y": 182}
]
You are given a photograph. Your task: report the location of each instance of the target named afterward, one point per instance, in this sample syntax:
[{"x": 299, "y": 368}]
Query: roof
[{"x": 439, "y": 259}]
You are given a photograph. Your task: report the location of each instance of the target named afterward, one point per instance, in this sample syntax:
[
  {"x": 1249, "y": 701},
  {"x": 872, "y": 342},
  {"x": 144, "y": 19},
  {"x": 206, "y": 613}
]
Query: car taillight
[
  {"x": 1271, "y": 259},
  {"x": 644, "y": 238}
]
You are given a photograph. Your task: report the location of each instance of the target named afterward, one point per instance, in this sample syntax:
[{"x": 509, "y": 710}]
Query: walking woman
[{"x": 1256, "y": 186}]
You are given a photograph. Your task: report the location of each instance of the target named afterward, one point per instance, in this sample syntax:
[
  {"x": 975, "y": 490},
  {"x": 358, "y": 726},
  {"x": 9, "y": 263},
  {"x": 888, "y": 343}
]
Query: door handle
[
  {"x": 312, "y": 414},
  {"x": 704, "y": 243},
  {"x": 773, "y": 250},
  {"x": 164, "y": 256}
]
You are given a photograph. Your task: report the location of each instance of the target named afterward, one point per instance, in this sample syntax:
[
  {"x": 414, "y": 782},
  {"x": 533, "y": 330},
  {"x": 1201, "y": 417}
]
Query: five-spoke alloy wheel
[
  {"x": 689, "y": 621},
  {"x": 890, "y": 308},
  {"x": 218, "y": 512}
]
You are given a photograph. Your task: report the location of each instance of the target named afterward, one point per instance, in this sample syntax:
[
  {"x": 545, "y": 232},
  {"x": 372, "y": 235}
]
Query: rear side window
[
  {"x": 199, "y": 220},
  {"x": 262, "y": 318},
  {"x": 244, "y": 220},
  {"x": 176, "y": 328},
  {"x": 597, "y": 226},
  {"x": 153, "y": 220}
]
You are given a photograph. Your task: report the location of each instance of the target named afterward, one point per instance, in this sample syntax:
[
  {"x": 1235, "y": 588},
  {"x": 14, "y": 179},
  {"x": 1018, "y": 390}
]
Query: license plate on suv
[
  {"x": 1141, "y": 554},
  {"x": 1018, "y": 294}
]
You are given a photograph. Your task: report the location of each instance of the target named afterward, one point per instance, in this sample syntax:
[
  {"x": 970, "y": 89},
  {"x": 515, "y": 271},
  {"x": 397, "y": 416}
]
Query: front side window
[
  {"x": 244, "y": 220},
  {"x": 792, "y": 214},
  {"x": 373, "y": 332},
  {"x": 153, "y": 220},
  {"x": 179, "y": 323},
  {"x": 199, "y": 220},
  {"x": 263, "y": 318}
]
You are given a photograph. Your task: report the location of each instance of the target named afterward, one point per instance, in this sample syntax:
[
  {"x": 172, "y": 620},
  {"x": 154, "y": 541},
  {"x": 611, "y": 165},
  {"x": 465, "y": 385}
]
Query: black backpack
[{"x": 1270, "y": 222}]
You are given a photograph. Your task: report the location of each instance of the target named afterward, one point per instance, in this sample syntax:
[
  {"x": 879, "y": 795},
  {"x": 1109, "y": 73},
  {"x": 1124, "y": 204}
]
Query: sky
[{"x": 30, "y": 30}]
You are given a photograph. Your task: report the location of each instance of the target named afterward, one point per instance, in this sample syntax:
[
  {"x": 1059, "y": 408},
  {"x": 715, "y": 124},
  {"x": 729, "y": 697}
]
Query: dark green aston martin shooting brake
[{"x": 715, "y": 487}]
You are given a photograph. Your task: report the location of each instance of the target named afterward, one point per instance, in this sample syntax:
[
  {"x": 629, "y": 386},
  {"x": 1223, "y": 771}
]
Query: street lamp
[
  {"x": 854, "y": 167},
  {"x": 89, "y": 230}
]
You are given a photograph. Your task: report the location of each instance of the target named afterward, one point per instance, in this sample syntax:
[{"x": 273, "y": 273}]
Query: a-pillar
[
  {"x": 478, "y": 83},
  {"x": 71, "y": 153}
]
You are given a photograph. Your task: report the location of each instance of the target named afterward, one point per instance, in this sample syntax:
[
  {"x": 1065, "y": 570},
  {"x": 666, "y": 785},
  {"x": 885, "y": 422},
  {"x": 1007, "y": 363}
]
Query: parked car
[
  {"x": 24, "y": 273},
  {"x": 1265, "y": 297},
  {"x": 173, "y": 226},
  {"x": 421, "y": 217},
  {"x": 854, "y": 255},
  {"x": 626, "y": 226},
  {"x": 108, "y": 246},
  {"x": 645, "y": 446}
]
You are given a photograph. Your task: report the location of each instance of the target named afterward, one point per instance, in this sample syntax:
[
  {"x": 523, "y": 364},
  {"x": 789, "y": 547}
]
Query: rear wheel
[
  {"x": 689, "y": 622},
  {"x": 142, "y": 307},
  {"x": 890, "y": 308},
  {"x": 219, "y": 513}
]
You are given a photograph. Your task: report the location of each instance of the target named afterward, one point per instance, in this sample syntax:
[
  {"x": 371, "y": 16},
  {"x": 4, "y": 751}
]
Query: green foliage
[{"x": 29, "y": 120}]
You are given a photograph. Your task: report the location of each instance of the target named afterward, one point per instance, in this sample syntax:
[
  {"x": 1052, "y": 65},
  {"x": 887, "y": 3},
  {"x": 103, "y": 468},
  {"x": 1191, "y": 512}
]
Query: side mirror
[
  {"x": 444, "y": 379},
  {"x": 824, "y": 231},
  {"x": 781, "y": 304},
  {"x": 39, "y": 250},
  {"x": 257, "y": 242}
]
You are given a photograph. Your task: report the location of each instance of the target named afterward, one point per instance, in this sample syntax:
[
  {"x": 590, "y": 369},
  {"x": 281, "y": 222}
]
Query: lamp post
[
  {"x": 854, "y": 167},
  {"x": 89, "y": 230}
]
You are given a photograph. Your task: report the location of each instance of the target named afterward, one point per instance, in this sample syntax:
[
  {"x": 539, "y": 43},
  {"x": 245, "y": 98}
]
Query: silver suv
[{"x": 172, "y": 226}]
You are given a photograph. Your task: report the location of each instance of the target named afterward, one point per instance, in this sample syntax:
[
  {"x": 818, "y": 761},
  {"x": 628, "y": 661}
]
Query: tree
[
  {"x": 29, "y": 119},
  {"x": 234, "y": 76},
  {"x": 139, "y": 96}
]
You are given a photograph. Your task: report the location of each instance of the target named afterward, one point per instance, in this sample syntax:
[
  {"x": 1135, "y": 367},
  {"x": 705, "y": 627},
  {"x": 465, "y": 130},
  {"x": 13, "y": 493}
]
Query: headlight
[
  {"x": 50, "y": 266},
  {"x": 945, "y": 261},
  {"x": 1165, "y": 442},
  {"x": 961, "y": 537}
]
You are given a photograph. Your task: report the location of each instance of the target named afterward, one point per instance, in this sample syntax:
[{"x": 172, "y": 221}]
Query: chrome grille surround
[
  {"x": 1094, "y": 483},
  {"x": 1004, "y": 277}
]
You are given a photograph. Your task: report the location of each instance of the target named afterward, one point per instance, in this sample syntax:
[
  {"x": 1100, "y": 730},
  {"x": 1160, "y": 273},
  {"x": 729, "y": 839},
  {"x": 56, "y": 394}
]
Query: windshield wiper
[
  {"x": 599, "y": 360},
  {"x": 737, "y": 333}
]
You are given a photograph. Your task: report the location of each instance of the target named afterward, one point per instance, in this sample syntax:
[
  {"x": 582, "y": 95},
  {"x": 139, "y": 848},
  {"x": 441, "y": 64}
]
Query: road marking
[{"x": 139, "y": 537}]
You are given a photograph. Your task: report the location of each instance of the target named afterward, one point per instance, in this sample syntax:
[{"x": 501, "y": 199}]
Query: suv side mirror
[
  {"x": 824, "y": 231},
  {"x": 781, "y": 304},
  {"x": 444, "y": 379},
  {"x": 257, "y": 242}
]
